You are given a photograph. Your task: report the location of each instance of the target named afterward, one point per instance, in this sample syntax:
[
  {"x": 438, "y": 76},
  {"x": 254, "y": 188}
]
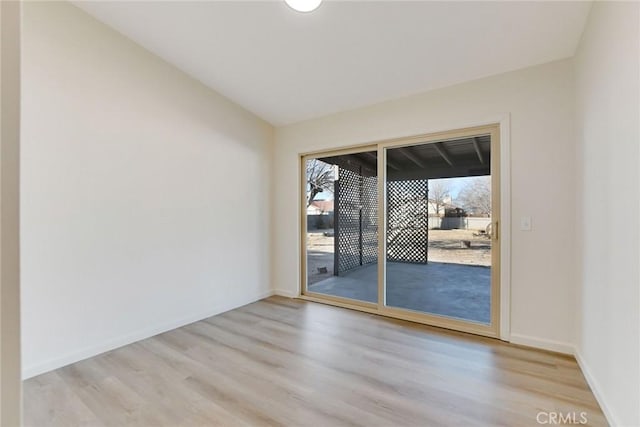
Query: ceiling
[{"x": 286, "y": 66}]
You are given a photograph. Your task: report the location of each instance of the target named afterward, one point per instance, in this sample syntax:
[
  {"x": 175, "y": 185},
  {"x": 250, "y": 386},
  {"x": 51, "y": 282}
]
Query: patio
[{"x": 444, "y": 289}]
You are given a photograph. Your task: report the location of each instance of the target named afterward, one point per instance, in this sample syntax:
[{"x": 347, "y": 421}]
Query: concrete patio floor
[{"x": 445, "y": 289}]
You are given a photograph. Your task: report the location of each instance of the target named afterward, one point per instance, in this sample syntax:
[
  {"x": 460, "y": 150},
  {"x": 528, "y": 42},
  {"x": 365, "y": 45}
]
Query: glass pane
[
  {"x": 342, "y": 226},
  {"x": 439, "y": 229}
]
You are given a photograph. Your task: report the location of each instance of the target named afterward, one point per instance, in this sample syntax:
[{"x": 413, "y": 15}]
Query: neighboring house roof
[
  {"x": 446, "y": 205},
  {"x": 323, "y": 205}
]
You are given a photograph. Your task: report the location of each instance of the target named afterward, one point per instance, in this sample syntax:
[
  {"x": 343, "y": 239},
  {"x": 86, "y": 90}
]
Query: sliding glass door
[
  {"x": 341, "y": 211},
  {"x": 407, "y": 228},
  {"x": 439, "y": 229}
]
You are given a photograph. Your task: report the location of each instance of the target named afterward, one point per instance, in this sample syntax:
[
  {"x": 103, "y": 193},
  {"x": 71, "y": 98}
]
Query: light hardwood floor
[{"x": 290, "y": 362}]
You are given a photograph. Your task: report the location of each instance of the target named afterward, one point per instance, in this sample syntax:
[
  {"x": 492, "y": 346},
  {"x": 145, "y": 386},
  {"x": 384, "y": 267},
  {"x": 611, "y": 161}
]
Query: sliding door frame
[
  {"x": 498, "y": 328},
  {"x": 315, "y": 296}
]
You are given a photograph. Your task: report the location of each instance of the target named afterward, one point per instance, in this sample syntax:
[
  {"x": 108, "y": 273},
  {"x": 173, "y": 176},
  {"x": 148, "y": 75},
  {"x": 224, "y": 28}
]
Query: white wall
[
  {"x": 10, "y": 384},
  {"x": 144, "y": 193},
  {"x": 608, "y": 134},
  {"x": 540, "y": 103}
]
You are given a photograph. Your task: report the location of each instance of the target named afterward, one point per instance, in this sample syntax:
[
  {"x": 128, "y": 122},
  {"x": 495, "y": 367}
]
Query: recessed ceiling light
[{"x": 303, "y": 5}]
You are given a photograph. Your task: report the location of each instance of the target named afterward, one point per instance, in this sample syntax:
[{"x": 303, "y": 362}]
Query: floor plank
[{"x": 285, "y": 362}]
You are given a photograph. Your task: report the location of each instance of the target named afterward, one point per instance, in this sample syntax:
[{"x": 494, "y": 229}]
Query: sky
[{"x": 457, "y": 184}]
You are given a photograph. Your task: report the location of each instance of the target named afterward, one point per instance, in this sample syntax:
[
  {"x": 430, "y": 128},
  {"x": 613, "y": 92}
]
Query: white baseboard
[
  {"x": 285, "y": 293},
  {"x": 596, "y": 389},
  {"x": 87, "y": 352},
  {"x": 541, "y": 343},
  {"x": 566, "y": 348}
]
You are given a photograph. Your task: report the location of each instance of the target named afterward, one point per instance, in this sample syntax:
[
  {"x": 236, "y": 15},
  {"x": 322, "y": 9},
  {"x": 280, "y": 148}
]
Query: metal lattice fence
[
  {"x": 407, "y": 221},
  {"x": 356, "y": 227}
]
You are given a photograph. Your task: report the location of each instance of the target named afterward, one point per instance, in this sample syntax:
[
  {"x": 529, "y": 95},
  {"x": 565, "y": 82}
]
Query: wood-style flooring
[{"x": 295, "y": 363}]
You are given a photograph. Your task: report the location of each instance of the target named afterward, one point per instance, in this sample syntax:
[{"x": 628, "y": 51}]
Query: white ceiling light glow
[{"x": 303, "y": 5}]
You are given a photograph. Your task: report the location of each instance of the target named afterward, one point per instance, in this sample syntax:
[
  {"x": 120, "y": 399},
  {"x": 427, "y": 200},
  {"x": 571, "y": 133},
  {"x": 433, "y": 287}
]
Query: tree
[
  {"x": 475, "y": 196},
  {"x": 320, "y": 177},
  {"x": 439, "y": 193}
]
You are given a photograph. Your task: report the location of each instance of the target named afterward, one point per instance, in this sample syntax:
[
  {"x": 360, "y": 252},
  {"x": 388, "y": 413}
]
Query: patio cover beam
[
  {"x": 409, "y": 155},
  {"x": 373, "y": 156},
  {"x": 441, "y": 150},
  {"x": 478, "y": 152}
]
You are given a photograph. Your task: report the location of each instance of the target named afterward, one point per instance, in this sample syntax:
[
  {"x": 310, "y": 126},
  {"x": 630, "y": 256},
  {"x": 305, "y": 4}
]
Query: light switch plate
[{"x": 525, "y": 223}]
